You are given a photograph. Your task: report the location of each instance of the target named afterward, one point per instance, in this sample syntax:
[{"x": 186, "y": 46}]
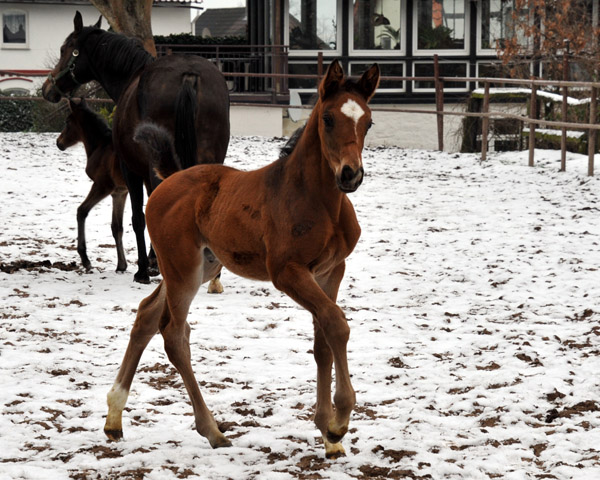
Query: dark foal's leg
[
  {"x": 331, "y": 337},
  {"x": 135, "y": 186},
  {"x": 96, "y": 193},
  {"x": 119, "y": 197},
  {"x": 146, "y": 325}
]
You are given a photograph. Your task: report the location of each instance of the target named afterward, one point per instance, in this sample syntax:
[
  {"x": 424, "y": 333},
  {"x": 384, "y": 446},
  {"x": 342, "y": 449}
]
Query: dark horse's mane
[{"x": 114, "y": 52}]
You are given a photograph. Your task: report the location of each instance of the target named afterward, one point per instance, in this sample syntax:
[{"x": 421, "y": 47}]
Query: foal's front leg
[{"x": 331, "y": 338}]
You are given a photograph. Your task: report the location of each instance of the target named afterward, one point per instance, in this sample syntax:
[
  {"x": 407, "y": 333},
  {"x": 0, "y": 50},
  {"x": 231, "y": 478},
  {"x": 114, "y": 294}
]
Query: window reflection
[
  {"x": 498, "y": 20},
  {"x": 441, "y": 24},
  {"x": 313, "y": 25},
  {"x": 377, "y": 24}
]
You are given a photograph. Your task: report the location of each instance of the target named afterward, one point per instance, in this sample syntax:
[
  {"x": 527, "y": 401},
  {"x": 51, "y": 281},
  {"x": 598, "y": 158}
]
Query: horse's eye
[
  {"x": 370, "y": 124},
  {"x": 328, "y": 120}
]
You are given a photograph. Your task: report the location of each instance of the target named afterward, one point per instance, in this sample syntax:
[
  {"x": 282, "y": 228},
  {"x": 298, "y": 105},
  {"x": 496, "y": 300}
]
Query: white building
[{"x": 34, "y": 30}]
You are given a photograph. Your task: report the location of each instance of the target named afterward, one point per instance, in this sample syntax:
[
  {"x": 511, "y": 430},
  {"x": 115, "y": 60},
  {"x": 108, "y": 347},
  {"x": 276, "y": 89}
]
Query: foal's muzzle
[{"x": 349, "y": 179}]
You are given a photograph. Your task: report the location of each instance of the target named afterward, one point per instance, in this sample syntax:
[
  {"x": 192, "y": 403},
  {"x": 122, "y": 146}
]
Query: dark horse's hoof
[
  {"x": 114, "y": 435},
  {"x": 141, "y": 277},
  {"x": 153, "y": 271}
]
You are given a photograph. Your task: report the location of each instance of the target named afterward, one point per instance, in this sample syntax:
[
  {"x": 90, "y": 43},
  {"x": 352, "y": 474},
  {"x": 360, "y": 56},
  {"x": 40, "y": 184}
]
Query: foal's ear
[
  {"x": 98, "y": 24},
  {"x": 332, "y": 81},
  {"x": 369, "y": 82},
  {"x": 78, "y": 22}
]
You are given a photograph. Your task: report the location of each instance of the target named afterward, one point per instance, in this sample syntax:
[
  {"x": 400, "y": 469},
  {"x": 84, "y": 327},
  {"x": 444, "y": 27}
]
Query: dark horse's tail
[
  {"x": 185, "y": 121},
  {"x": 158, "y": 142}
]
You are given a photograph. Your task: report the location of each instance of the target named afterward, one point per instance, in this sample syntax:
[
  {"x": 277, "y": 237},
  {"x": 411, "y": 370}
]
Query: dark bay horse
[
  {"x": 86, "y": 126},
  {"x": 290, "y": 223},
  {"x": 186, "y": 95}
]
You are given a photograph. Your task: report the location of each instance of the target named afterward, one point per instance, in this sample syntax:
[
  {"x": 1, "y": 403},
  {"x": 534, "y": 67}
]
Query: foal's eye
[
  {"x": 370, "y": 124},
  {"x": 328, "y": 120}
]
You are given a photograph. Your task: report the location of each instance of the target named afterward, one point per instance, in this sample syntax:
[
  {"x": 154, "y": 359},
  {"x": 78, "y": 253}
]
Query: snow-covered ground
[{"x": 473, "y": 298}]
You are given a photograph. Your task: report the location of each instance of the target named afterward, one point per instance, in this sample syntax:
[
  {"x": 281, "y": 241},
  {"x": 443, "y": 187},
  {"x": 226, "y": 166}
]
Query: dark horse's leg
[
  {"x": 135, "y": 186},
  {"x": 119, "y": 197},
  {"x": 97, "y": 193}
]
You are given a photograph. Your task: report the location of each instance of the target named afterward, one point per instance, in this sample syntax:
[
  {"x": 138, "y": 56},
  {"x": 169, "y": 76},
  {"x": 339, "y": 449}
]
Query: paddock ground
[{"x": 472, "y": 298}]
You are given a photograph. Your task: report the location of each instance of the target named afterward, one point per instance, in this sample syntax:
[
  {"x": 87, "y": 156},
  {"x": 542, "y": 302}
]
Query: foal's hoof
[
  {"x": 220, "y": 442},
  {"x": 114, "y": 435},
  {"x": 215, "y": 286},
  {"x": 334, "y": 450},
  {"x": 153, "y": 271}
]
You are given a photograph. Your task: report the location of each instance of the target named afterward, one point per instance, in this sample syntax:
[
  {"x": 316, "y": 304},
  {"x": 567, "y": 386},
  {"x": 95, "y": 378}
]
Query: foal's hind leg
[
  {"x": 119, "y": 197},
  {"x": 145, "y": 327},
  {"x": 331, "y": 337},
  {"x": 96, "y": 193},
  {"x": 182, "y": 285}
]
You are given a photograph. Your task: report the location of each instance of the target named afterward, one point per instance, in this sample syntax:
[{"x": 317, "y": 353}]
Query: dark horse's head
[
  {"x": 344, "y": 119},
  {"x": 71, "y": 71}
]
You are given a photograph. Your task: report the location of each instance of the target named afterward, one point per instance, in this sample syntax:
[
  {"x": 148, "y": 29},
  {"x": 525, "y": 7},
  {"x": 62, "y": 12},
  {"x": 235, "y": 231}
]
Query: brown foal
[{"x": 290, "y": 223}]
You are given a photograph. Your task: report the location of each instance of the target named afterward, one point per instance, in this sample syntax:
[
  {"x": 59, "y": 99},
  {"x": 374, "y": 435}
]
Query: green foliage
[
  {"x": 189, "y": 39},
  {"x": 16, "y": 115},
  {"x": 436, "y": 38}
]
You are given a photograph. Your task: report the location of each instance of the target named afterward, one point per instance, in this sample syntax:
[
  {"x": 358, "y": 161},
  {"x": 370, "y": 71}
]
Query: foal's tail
[
  {"x": 185, "y": 121},
  {"x": 158, "y": 143}
]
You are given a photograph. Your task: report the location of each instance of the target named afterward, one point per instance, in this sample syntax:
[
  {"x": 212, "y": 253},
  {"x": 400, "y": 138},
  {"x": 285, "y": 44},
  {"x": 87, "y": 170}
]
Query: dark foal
[
  {"x": 290, "y": 223},
  {"x": 86, "y": 126},
  {"x": 185, "y": 94}
]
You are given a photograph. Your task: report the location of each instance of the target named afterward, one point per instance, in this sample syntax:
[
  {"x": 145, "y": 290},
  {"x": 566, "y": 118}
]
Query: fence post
[
  {"x": 320, "y": 67},
  {"x": 592, "y": 133},
  {"x": 532, "y": 125},
  {"x": 485, "y": 127},
  {"x": 565, "y": 92},
  {"x": 439, "y": 102}
]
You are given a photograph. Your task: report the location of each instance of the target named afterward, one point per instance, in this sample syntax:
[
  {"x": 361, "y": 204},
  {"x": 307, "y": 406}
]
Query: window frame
[
  {"x": 15, "y": 46},
  {"x": 441, "y": 51},
  {"x": 371, "y": 52},
  {"x": 480, "y": 49},
  {"x": 326, "y": 53},
  {"x": 358, "y": 61},
  {"x": 415, "y": 89}
]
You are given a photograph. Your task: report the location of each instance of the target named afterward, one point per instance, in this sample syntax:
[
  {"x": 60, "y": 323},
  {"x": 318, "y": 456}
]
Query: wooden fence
[{"x": 485, "y": 115}]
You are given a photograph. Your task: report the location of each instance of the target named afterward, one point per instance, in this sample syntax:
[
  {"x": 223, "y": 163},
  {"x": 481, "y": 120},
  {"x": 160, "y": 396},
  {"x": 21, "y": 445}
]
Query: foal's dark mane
[{"x": 97, "y": 124}]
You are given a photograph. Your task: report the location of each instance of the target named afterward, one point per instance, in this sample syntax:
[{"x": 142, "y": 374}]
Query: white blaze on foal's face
[{"x": 352, "y": 110}]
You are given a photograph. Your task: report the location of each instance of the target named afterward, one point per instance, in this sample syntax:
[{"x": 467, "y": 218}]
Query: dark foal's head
[
  {"x": 67, "y": 75},
  {"x": 72, "y": 132},
  {"x": 344, "y": 119}
]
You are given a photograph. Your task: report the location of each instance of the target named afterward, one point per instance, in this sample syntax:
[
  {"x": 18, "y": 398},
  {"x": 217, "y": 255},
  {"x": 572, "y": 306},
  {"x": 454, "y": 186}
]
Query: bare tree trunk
[{"x": 130, "y": 17}]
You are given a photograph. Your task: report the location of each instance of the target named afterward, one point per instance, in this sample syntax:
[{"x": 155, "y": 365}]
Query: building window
[
  {"x": 498, "y": 23},
  {"x": 388, "y": 69},
  {"x": 303, "y": 69},
  {"x": 377, "y": 25},
  {"x": 441, "y": 24},
  {"x": 313, "y": 25},
  {"x": 447, "y": 69},
  {"x": 14, "y": 29}
]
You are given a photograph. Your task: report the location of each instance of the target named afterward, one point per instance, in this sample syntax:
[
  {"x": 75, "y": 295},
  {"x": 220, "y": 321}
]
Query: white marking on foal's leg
[
  {"x": 116, "y": 400},
  {"x": 352, "y": 110}
]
